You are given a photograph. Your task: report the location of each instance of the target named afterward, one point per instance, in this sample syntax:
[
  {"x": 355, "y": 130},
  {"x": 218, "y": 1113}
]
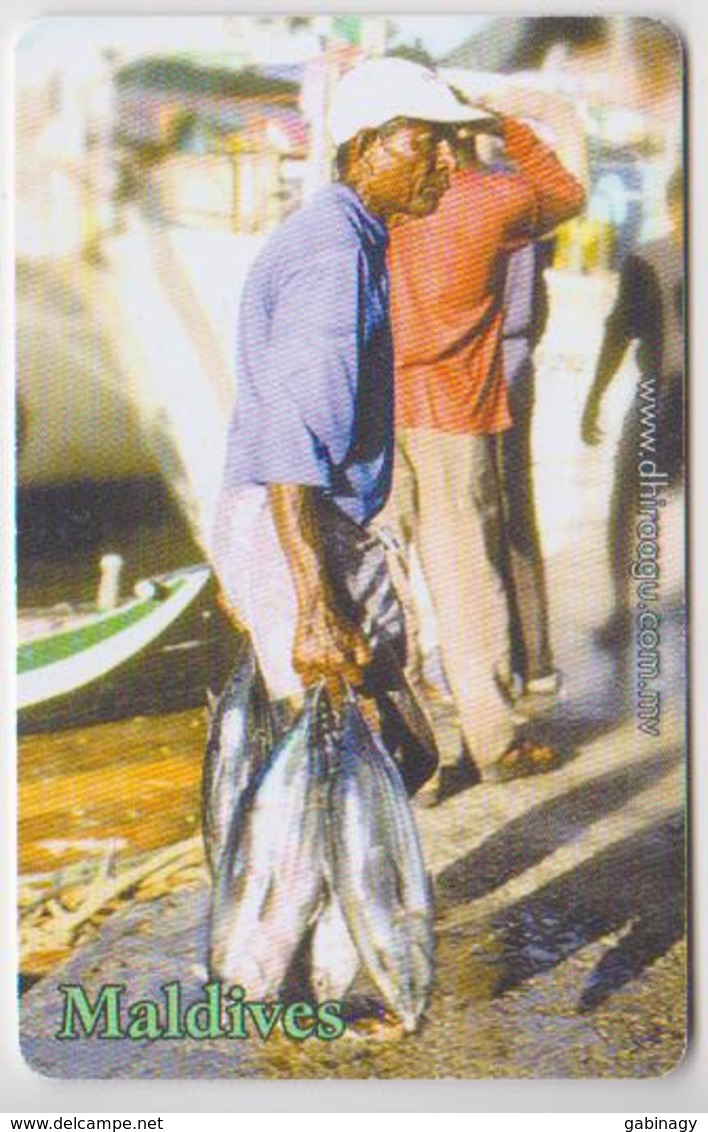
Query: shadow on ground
[
  {"x": 526, "y": 840},
  {"x": 597, "y": 702},
  {"x": 631, "y": 890}
]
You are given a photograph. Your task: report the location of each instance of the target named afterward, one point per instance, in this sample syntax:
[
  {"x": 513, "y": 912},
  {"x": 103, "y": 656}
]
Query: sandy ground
[{"x": 559, "y": 900}]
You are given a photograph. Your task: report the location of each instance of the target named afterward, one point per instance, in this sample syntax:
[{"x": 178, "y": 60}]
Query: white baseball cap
[{"x": 379, "y": 90}]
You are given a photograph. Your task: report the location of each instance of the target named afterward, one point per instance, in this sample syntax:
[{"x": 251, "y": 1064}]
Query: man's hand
[
  {"x": 590, "y": 430},
  {"x": 329, "y": 648},
  {"x": 226, "y": 608},
  {"x": 555, "y": 111}
]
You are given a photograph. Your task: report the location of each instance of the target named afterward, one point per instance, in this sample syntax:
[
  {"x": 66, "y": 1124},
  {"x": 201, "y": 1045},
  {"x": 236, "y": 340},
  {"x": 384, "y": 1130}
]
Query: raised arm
[
  {"x": 552, "y": 179},
  {"x": 559, "y": 118}
]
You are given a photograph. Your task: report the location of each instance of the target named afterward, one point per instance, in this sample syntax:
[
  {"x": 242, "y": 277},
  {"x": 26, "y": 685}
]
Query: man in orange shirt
[{"x": 447, "y": 306}]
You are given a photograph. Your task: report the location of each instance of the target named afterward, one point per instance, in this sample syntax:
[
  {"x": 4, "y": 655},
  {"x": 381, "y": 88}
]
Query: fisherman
[
  {"x": 447, "y": 296},
  {"x": 310, "y": 445},
  {"x": 649, "y": 309}
]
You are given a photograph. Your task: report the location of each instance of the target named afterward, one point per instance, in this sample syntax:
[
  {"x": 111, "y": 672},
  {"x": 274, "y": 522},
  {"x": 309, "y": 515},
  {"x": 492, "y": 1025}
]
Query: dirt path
[{"x": 560, "y": 899}]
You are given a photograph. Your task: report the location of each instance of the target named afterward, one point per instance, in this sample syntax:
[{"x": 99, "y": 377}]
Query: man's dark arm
[
  {"x": 621, "y": 327},
  {"x": 327, "y": 647},
  {"x": 614, "y": 346}
]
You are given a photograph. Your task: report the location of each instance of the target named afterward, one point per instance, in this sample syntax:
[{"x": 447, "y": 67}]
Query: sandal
[
  {"x": 529, "y": 698},
  {"x": 522, "y": 759},
  {"x": 429, "y": 793}
]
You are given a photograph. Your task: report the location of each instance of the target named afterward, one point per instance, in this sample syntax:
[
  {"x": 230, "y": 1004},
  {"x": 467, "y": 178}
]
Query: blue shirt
[{"x": 315, "y": 360}]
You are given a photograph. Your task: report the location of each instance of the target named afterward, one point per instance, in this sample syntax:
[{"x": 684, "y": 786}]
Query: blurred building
[
  {"x": 126, "y": 129},
  {"x": 626, "y": 76},
  {"x": 211, "y": 120},
  {"x": 207, "y": 146}
]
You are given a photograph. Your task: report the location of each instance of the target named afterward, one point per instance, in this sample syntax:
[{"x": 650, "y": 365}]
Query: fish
[
  {"x": 326, "y": 961},
  {"x": 334, "y": 959},
  {"x": 241, "y": 735},
  {"x": 378, "y": 871},
  {"x": 270, "y": 881}
]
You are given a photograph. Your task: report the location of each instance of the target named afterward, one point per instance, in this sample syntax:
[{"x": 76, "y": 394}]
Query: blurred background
[{"x": 153, "y": 155}]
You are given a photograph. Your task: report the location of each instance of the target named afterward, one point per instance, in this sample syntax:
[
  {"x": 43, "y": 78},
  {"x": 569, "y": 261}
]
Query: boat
[{"x": 154, "y": 651}]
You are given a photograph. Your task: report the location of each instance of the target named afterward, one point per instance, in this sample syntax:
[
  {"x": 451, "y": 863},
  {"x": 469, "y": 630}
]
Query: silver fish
[
  {"x": 239, "y": 740},
  {"x": 378, "y": 871},
  {"x": 334, "y": 959},
  {"x": 270, "y": 881}
]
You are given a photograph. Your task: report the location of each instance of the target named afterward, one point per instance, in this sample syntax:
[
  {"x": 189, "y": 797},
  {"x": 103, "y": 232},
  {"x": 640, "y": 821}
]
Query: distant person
[
  {"x": 447, "y": 294},
  {"x": 649, "y": 310}
]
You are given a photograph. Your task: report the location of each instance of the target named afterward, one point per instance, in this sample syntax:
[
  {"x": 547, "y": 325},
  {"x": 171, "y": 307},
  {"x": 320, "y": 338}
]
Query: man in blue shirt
[{"x": 310, "y": 446}]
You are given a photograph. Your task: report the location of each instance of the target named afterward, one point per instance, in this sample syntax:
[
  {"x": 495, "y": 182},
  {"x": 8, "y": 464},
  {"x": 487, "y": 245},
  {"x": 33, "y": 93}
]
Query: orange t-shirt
[{"x": 447, "y": 285}]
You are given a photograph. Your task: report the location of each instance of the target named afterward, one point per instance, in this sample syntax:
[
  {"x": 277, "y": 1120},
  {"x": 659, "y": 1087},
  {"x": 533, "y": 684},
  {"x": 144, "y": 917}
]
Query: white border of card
[{"x": 684, "y": 1089}]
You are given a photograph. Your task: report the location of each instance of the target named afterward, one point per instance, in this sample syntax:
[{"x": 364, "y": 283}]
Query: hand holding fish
[
  {"x": 329, "y": 648},
  {"x": 327, "y": 645}
]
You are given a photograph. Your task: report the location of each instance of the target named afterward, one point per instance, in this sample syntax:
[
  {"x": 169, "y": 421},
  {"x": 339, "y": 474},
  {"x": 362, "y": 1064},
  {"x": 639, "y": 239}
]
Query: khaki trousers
[{"x": 446, "y": 494}]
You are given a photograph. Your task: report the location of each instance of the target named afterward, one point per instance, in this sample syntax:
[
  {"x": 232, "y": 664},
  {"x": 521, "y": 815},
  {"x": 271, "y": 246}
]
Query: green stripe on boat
[{"x": 59, "y": 646}]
